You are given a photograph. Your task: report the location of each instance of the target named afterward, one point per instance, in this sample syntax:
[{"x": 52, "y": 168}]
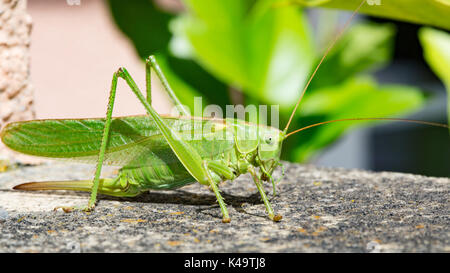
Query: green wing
[{"x": 134, "y": 141}]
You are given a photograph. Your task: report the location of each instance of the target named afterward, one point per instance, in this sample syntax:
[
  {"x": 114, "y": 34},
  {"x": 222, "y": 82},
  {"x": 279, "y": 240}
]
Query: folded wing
[{"x": 132, "y": 141}]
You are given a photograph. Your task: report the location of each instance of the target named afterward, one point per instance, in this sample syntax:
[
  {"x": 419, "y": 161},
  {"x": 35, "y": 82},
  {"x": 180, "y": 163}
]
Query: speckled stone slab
[{"x": 324, "y": 210}]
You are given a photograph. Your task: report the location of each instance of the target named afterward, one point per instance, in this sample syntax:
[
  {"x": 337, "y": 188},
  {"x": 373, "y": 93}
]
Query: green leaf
[
  {"x": 436, "y": 46},
  {"x": 262, "y": 51},
  {"x": 427, "y": 12},
  {"x": 361, "y": 98}
]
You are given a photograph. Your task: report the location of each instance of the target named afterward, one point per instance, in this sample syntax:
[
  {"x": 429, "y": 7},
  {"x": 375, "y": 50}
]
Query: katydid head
[{"x": 269, "y": 148}]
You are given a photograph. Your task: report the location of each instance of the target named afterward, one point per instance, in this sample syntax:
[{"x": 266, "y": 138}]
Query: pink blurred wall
[{"x": 74, "y": 52}]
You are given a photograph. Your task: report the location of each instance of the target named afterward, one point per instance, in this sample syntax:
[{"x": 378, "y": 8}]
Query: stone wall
[{"x": 16, "y": 91}]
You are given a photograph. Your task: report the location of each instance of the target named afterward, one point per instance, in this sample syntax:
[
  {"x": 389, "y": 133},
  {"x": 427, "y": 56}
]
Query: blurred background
[{"x": 250, "y": 52}]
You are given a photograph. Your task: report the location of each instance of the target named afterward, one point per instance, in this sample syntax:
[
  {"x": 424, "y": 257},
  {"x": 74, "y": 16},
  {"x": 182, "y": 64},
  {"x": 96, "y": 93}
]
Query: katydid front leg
[{"x": 258, "y": 184}]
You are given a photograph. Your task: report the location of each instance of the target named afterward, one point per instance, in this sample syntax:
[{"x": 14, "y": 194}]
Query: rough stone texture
[
  {"x": 16, "y": 91},
  {"x": 324, "y": 210}
]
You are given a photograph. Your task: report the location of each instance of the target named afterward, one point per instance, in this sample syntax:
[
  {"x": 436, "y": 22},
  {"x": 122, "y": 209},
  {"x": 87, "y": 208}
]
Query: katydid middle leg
[{"x": 215, "y": 189}]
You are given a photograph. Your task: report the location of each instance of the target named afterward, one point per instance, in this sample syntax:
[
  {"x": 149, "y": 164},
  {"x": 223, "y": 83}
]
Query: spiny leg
[
  {"x": 122, "y": 73},
  {"x": 101, "y": 157},
  {"x": 152, "y": 63},
  {"x": 187, "y": 155},
  {"x": 258, "y": 184},
  {"x": 106, "y": 129}
]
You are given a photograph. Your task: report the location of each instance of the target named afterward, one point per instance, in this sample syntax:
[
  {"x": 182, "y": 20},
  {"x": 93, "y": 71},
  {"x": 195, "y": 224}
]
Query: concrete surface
[{"x": 324, "y": 210}]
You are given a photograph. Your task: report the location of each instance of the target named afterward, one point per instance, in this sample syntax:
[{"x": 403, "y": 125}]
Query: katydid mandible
[{"x": 158, "y": 152}]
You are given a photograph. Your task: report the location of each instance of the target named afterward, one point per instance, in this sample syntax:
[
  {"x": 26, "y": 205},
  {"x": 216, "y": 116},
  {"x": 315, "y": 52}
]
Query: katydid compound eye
[{"x": 269, "y": 139}]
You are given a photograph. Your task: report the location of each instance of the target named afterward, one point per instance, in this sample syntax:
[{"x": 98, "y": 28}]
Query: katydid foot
[
  {"x": 68, "y": 209},
  {"x": 275, "y": 218}
]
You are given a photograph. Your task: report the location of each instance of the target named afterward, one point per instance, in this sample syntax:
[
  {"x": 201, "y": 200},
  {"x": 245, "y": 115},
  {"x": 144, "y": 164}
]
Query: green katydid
[{"x": 158, "y": 152}]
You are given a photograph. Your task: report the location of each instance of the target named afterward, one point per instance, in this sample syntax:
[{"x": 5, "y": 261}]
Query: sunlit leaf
[
  {"x": 427, "y": 12},
  {"x": 436, "y": 45},
  {"x": 360, "y": 98},
  {"x": 264, "y": 52}
]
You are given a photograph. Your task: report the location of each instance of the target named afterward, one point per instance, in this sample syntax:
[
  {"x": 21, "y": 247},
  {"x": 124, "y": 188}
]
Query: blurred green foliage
[
  {"x": 436, "y": 45},
  {"x": 266, "y": 53}
]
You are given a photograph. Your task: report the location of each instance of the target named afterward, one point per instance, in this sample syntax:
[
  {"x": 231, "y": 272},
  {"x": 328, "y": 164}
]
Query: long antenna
[
  {"x": 359, "y": 119},
  {"x": 321, "y": 61}
]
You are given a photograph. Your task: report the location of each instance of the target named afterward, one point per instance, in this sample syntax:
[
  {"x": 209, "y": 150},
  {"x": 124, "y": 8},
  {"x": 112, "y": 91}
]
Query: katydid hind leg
[
  {"x": 152, "y": 63},
  {"x": 120, "y": 73},
  {"x": 106, "y": 130},
  {"x": 101, "y": 156},
  {"x": 187, "y": 155}
]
